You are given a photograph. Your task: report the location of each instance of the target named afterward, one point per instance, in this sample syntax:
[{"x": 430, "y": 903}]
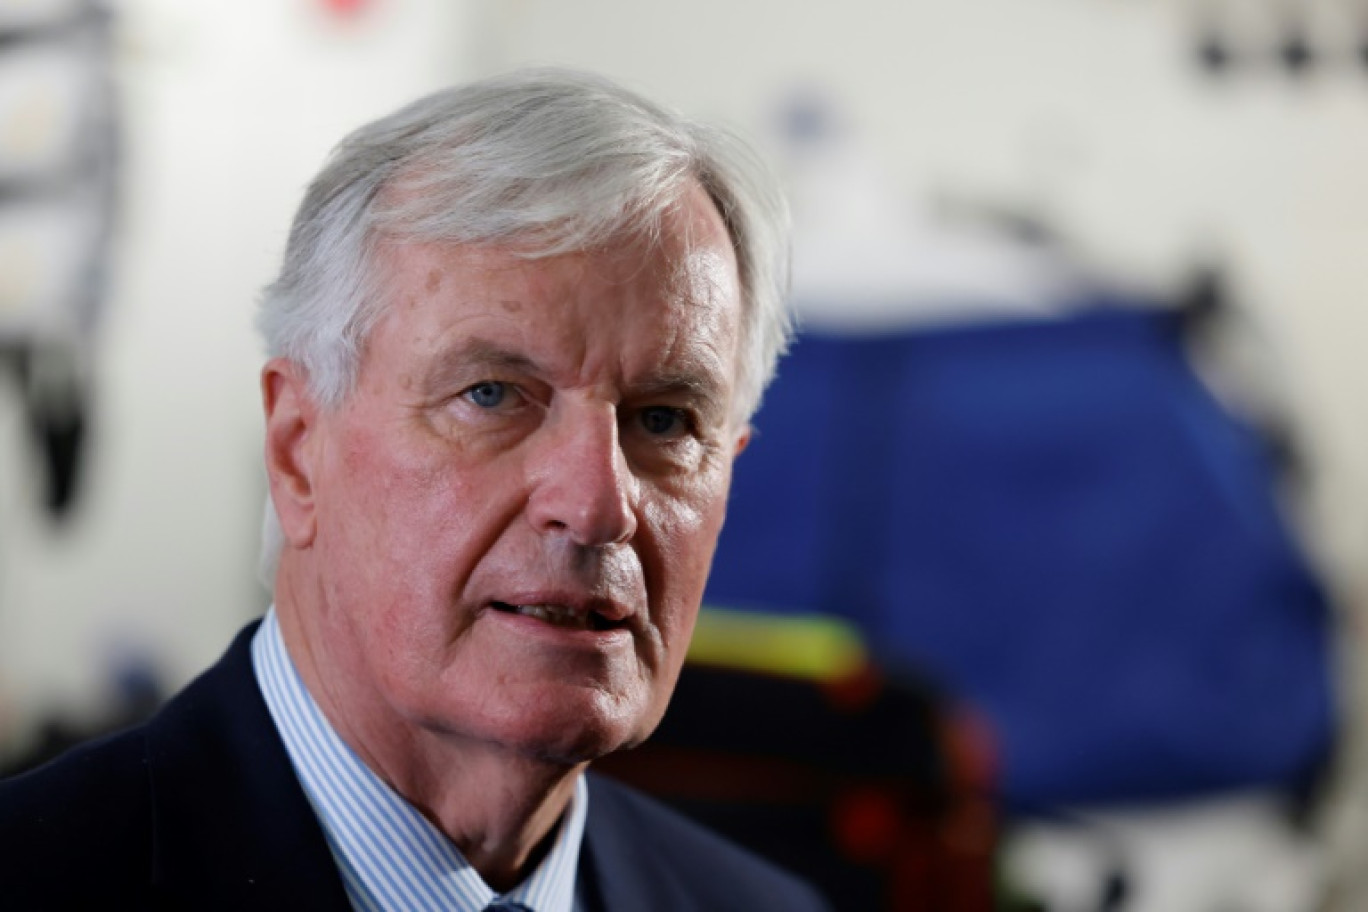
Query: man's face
[{"x": 513, "y": 515}]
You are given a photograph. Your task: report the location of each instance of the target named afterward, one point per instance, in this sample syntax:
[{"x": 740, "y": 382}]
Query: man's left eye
[{"x": 663, "y": 421}]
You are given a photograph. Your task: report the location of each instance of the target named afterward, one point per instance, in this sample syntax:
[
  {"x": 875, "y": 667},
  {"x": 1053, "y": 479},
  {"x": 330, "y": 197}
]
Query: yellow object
[{"x": 807, "y": 646}]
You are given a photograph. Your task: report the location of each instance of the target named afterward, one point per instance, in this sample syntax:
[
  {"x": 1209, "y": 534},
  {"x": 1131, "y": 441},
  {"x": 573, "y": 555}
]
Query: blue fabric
[{"x": 1059, "y": 522}]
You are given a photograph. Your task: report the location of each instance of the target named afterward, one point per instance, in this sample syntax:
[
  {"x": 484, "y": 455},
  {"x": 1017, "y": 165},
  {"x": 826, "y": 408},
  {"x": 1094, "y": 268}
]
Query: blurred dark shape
[
  {"x": 1204, "y": 300},
  {"x": 1111, "y": 857},
  {"x": 135, "y": 694},
  {"x": 57, "y": 161},
  {"x": 28, "y": 21},
  {"x": 51, "y": 382},
  {"x": 875, "y": 789},
  {"x": 1019, "y": 222},
  {"x": 1207, "y": 312},
  {"x": 56, "y": 404},
  {"x": 1295, "y": 50},
  {"x": 1213, "y": 54},
  {"x": 808, "y": 119},
  {"x": 61, "y": 432},
  {"x": 1115, "y": 892}
]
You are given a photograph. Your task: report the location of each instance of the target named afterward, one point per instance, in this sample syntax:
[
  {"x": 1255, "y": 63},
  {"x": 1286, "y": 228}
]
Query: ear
[{"x": 291, "y": 418}]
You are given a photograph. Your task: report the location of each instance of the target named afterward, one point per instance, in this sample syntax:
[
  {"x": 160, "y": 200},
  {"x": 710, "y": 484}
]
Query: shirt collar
[{"x": 389, "y": 854}]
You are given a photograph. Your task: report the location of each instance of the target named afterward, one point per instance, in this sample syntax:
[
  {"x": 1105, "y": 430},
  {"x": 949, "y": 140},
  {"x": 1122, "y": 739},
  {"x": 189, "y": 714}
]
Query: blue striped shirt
[{"x": 390, "y": 855}]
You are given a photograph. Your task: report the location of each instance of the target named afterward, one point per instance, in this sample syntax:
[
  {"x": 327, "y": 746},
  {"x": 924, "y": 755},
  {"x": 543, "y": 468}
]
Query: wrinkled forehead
[
  {"x": 680, "y": 281},
  {"x": 686, "y": 246}
]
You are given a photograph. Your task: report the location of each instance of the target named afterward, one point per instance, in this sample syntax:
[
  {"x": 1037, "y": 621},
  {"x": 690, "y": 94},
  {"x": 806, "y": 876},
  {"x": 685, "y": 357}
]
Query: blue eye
[
  {"x": 662, "y": 421},
  {"x": 487, "y": 394}
]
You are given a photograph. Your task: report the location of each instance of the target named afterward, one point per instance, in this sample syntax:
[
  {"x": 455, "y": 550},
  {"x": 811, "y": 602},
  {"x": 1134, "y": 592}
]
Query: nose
[{"x": 582, "y": 486}]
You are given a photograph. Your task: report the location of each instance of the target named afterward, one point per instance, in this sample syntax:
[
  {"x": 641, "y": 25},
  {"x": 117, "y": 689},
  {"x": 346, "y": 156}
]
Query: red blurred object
[
  {"x": 347, "y": 8},
  {"x": 879, "y": 791},
  {"x": 866, "y": 826}
]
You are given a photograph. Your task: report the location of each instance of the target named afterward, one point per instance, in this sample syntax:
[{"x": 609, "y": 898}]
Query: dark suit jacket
[{"x": 200, "y": 809}]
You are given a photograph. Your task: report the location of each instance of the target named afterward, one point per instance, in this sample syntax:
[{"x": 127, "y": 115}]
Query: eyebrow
[
  {"x": 693, "y": 386},
  {"x": 483, "y": 351},
  {"x": 479, "y": 354},
  {"x": 687, "y": 383}
]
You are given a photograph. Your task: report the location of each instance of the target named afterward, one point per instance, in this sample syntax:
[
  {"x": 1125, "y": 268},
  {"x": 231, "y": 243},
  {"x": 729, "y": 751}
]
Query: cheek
[
  {"x": 403, "y": 489},
  {"x": 685, "y": 529},
  {"x": 691, "y": 510},
  {"x": 398, "y": 532}
]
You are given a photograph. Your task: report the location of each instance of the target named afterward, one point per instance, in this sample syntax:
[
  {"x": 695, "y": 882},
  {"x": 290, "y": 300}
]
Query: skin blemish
[
  {"x": 511, "y": 306},
  {"x": 434, "y": 281}
]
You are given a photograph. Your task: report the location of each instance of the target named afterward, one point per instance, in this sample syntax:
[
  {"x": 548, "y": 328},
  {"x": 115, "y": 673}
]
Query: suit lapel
[
  {"x": 233, "y": 828},
  {"x": 620, "y": 864}
]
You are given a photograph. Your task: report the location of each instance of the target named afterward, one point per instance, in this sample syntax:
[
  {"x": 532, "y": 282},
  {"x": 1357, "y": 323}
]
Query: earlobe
[{"x": 290, "y": 414}]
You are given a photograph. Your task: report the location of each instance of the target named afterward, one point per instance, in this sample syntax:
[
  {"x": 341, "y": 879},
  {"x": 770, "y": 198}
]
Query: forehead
[{"x": 675, "y": 295}]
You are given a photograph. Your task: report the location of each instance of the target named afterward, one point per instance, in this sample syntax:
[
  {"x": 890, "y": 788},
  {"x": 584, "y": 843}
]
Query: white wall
[{"x": 226, "y": 110}]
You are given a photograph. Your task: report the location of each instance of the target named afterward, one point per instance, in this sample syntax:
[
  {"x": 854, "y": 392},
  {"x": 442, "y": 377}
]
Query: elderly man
[{"x": 515, "y": 343}]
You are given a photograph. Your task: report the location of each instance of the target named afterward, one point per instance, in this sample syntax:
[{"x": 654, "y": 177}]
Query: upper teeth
[{"x": 555, "y": 614}]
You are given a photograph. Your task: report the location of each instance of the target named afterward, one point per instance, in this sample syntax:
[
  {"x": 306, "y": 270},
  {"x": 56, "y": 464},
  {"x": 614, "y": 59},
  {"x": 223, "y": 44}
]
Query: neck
[{"x": 500, "y": 809}]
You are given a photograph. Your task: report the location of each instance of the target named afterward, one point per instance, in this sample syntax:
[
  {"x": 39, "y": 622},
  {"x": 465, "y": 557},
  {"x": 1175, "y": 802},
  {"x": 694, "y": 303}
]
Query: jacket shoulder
[
  {"x": 82, "y": 821},
  {"x": 688, "y": 866}
]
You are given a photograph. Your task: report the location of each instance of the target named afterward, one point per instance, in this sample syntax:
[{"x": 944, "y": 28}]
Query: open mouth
[{"x": 560, "y": 616}]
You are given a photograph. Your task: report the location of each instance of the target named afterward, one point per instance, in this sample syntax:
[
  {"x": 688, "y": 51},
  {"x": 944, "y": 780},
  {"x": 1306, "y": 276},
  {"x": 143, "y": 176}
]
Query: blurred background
[{"x": 1074, "y": 444}]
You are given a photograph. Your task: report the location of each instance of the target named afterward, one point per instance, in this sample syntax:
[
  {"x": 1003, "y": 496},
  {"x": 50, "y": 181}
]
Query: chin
[{"x": 571, "y": 735}]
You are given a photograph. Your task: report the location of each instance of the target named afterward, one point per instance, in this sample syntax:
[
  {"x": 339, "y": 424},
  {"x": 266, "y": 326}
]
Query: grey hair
[{"x": 546, "y": 161}]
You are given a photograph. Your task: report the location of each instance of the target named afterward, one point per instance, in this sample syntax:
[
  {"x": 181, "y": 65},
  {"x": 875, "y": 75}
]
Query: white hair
[{"x": 547, "y": 161}]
